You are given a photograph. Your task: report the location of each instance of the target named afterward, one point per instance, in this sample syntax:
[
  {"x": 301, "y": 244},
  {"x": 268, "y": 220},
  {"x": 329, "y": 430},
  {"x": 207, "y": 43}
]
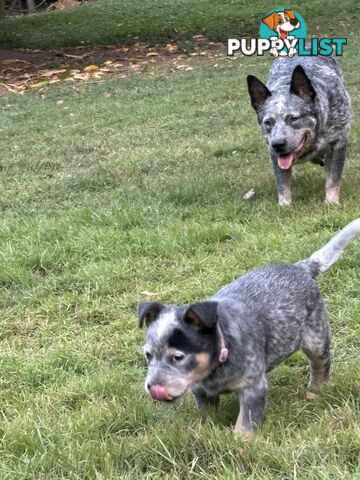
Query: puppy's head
[
  {"x": 180, "y": 346},
  {"x": 287, "y": 116}
]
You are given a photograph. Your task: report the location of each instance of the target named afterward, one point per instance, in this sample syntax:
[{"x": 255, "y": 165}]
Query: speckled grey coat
[{"x": 261, "y": 318}]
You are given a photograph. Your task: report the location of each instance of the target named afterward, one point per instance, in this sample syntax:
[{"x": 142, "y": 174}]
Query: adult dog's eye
[
  {"x": 292, "y": 118},
  {"x": 178, "y": 357},
  {"x": 268, "y": 123},
  {"x": 148, "y": 356}
]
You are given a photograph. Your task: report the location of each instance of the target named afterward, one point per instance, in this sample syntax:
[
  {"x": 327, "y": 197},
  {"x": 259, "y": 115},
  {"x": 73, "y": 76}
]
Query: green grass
[
  {"x": 114, "y": 21},
  {"x": 106, "y": 196}
]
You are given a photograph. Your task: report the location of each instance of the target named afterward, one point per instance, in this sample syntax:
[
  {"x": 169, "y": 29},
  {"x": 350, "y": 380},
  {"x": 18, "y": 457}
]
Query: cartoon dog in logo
[{"x": 282, "y": 23}]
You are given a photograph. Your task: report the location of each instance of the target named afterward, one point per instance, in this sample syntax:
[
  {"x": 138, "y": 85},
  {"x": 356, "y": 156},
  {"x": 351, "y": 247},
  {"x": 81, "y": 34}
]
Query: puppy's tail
[{"x": 322, "y": 259}]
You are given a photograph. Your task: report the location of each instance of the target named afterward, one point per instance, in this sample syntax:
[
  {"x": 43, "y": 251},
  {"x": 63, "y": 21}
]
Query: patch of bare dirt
[
  {"x": 63, "y": 4},
  {"x": 25, "y": 70}
]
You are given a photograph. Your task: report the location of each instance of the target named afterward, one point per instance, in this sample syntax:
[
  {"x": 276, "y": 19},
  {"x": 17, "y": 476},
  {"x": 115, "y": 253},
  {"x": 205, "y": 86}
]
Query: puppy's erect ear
[
  {"x": 270, "y": 20},
  {"x": 203, "y": 314},
  {"x": 301, "y": 85},
  {"x": 259, "y": 92},
  {"x": 148, "y": 311}
]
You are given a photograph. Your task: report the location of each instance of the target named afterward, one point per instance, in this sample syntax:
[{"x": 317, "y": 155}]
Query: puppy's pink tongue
[
  {"x": 158, "y": 392},
  {"x": 285, "y": 161}
]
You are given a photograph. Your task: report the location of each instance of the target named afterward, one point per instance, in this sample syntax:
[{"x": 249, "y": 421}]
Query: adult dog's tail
[{"x": 322, "y": 259}]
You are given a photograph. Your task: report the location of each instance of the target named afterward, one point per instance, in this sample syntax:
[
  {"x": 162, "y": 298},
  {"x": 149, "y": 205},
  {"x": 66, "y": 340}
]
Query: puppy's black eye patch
[{"x": 180, "y": 341}]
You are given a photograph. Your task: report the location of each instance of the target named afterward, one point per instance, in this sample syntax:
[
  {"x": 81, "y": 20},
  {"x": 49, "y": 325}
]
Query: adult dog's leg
[
  {"x": 334, "y": 164},
  {"x": 283, "y": 183}
]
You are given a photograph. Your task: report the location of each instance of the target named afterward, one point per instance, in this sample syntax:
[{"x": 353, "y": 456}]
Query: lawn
[
  {"x": 114, "y": 21},
  {"x": 132, "y": 189}
]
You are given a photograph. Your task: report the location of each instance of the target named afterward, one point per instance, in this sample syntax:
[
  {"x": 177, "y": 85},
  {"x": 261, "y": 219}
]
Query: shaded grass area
[
  {"x": 126, "y": 21},
  {"x": 134, "y": 187}
]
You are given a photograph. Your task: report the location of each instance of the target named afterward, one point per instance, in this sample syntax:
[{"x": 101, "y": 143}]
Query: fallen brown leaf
[
  {"x": 41, "y": 84},
  {"x": 199, "y": 38},
  {"x": 91, "y": 68},
  {"x": 50, "y": 73},
  {"x": 8, "y": 61},
  {"x": 79, "y": 57},
  {"x": 170, "y": 48}
]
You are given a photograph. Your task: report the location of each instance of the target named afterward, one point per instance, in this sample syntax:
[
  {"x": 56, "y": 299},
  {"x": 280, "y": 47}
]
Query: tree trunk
[
  {"x": 2, "y": 9},
  {"x": 30, "y": 5}
]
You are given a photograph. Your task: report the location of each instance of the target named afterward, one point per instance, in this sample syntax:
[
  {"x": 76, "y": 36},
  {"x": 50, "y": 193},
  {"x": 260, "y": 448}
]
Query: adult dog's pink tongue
[
  {"x": 158, "y": 392},
  {"x": 285, "y": 161}
]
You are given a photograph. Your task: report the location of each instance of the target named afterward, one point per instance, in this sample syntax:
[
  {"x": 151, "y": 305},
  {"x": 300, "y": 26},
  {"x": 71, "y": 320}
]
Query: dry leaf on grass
[
  {"x": 199, "y": 38},
  {"x": 248, "y": 195}
]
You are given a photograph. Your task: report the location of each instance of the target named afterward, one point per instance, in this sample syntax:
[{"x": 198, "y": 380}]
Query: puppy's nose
[
  {"x": 278, "y": 145},
  {"x": 294, "y": 22}
]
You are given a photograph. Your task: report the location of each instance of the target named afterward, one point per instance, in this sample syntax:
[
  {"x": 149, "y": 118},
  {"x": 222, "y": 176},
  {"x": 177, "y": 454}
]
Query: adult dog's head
[{"x": 287, "y": 117}]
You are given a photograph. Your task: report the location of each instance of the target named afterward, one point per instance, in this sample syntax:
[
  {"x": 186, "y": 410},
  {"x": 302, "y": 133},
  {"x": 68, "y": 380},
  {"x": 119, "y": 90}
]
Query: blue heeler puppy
[
  {"x": 228, "y": 342},
  {"x": 304, "y": 113}
]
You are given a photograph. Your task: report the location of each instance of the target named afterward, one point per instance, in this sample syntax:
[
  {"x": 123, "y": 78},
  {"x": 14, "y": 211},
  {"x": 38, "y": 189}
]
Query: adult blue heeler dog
[
  {"x": 227, "y": 343},
  {"x": 304, "y": 113}
]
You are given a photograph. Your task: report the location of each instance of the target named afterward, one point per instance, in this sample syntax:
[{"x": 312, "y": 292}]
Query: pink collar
[{"x": 224, "y": 352}]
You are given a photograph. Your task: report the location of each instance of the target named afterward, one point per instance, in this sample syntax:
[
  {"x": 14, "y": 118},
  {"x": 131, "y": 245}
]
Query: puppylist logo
[{"x": 283, "y": 32}]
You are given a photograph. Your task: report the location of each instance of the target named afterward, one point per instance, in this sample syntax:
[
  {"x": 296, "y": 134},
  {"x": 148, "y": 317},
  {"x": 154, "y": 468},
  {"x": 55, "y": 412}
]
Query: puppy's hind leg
[
  {"x": 320, "y": 364},
  {"x": 316, "y": 346}
]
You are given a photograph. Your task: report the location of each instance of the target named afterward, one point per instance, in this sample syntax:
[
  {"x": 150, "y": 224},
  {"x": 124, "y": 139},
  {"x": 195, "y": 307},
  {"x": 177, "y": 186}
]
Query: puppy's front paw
[
  {"x": 274, "y": 52},
  {"x": 243, "y": 433},
  {"x": 292, "y": 52}
]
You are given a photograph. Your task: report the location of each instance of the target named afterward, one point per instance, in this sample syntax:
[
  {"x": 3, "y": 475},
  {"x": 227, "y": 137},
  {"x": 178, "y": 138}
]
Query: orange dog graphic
[{"x": 282, "y": 23}]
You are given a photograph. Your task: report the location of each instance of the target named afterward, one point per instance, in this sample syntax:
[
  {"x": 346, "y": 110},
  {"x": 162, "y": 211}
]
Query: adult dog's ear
[
  {"x": 258, "y": 92},
  {"x": 301, "y": 85},
  {"x": 202, "y": 315},
  {"x": 148, "y": 312}
]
